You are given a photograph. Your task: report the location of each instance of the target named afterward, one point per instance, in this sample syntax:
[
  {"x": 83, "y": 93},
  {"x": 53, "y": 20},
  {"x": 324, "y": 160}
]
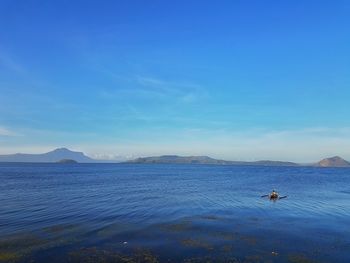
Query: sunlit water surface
[{"x": 173, "y": 213}]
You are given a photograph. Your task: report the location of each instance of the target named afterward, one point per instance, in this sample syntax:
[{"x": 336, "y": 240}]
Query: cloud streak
[
  {"x": 184, "y": 91},
  {"x": 150, "y": 88},
  {"x": 7, "y": 132}
]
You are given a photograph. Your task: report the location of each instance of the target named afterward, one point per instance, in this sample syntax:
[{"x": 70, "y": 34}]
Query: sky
[{"x": 238, "y": 80}]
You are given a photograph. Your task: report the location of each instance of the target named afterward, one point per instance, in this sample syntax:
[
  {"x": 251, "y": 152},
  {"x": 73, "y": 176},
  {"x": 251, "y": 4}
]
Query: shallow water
[{"x": 176, "y": 213}]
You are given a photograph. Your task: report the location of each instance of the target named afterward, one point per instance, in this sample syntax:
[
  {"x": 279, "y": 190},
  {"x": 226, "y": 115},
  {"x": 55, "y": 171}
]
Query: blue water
[{"x": 173, "y": 213}]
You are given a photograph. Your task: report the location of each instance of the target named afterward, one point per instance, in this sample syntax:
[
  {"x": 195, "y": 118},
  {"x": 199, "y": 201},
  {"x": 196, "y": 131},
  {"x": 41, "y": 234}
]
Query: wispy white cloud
[
  {"x": 111, "y": 157},
  {"x": 150, "y": 88},
  {"x": 7, "y": 132},
  {"x": 164, "y": 84},
  {"x": 185, "y": 92}
]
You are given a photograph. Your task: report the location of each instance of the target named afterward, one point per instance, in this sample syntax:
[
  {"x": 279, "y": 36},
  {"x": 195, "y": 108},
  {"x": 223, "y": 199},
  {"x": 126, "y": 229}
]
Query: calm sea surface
[{"x": 172, "y": 213}]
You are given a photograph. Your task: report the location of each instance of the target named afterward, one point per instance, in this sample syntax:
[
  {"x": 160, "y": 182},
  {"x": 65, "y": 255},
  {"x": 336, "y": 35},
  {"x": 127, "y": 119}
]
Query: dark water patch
[
  {"x": 224, "y": 235},
  {"x": 227, "y": 248},
  {"x": 9, "y": 256},
  {"x": 249, "y": 240},
  {"x": 209, "y": 259},
  {"x": 211, "y": 217},
  {"x": 113, "y": 230},
  {"x": 20, "y": 246},
  {"x": 99, "y": 255},
  {"x": 182, "y": 226},
  {"x": 197, "y": 243},
  {"x": 299, "y": 258},
  {"x": 254, "y": 259},
  {"x": 62, "y": 229}
]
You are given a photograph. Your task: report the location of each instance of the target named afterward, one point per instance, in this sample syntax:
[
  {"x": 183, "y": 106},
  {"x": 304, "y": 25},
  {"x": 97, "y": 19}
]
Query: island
[
  {"x": 335, "y": 161},
  {"x": 175, "y": 159}
]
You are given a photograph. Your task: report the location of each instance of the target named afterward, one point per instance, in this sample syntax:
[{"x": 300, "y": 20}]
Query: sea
[{"x": 173, "y": 213}]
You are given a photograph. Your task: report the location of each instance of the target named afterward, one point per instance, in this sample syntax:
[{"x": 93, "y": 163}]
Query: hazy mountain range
[
  {"x": 328, "y": 162},
  {"x": 60, "y": 154},
  {"x": 203, "y": 160}
]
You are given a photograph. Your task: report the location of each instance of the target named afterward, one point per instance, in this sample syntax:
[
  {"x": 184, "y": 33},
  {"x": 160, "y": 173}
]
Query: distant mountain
[
  {"x": 67, "y": 161},
  {"x": 335, "y": 161},
  {"x": 174, "y": 159},
  {"x": 178, "y": 159},
  {"x": 49, "y": 157}
]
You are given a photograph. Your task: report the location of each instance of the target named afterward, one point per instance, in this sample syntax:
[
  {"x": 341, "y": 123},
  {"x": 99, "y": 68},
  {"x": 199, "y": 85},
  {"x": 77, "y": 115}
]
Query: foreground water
[{"x": 172, "y": 213}]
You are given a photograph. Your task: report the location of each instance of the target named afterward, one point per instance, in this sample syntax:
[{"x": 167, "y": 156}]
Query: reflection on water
[{"x": 172, "y": 213}]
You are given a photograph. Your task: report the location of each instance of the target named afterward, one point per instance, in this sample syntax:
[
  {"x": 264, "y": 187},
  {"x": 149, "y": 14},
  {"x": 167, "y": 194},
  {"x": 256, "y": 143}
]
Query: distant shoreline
[
  {"x": 176, "y": 164},
  {"x": 64, "y": 154}
]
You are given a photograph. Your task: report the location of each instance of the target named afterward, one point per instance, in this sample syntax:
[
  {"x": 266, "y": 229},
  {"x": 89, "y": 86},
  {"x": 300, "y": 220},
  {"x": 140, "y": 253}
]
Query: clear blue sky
[{"x": 238, "y": 80}]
